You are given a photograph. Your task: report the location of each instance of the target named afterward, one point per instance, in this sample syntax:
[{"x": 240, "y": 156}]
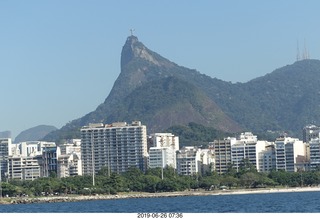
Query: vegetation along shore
[{"x": 156, "y": 183}]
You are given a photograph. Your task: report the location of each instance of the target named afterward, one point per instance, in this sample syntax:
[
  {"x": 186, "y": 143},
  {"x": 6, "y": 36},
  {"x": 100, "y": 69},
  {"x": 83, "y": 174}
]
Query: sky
[{"x": 59, "y": 59}]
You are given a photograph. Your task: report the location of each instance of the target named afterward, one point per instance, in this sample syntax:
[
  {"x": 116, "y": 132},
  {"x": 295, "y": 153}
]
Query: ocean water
[{"x": 288, "y": 202}]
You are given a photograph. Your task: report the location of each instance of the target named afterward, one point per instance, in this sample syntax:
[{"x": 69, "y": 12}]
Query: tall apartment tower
[
  {"x": 117, "y": 146},
  {"x": 247, "y": 147},
  {"x": 290, "y": 154},
  {"x": 5, "y": 152},
  {"x": 314, "y": 145},
  {"x": 222, "y": 150}
]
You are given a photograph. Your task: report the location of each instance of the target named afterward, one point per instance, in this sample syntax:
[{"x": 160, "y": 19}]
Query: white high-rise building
[
  {"x": 69, "y": 161},
  {"x": 233, "y": 151},
  {"x": 163, "y": 151},
  {"x": 193, "y": 160},
  {"x": 23, "y": 168},
  {"x": 290, "y": 154},
  {"x": 267, "y": 158},
  {"x": 117, "y": 146}
]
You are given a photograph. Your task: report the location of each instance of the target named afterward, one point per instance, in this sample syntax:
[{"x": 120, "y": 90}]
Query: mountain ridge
[{"x": 252, "y": 106}]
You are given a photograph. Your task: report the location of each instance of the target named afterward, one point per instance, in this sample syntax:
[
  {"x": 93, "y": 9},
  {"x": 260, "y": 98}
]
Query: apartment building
[
  {"x": 5, "y": 152},
  {"x": 69, "y": 165},
  {"x": 117, "y": 146},
  {"x": 188, "y": 160},
  {"x": 245, "y": 147},
  {"x": 69, "y": 161},
  {"x": 290, "y": 154},
  {"x": 314, "y": 153},
  {"x": 267, "y": 159},
  {"x": 232, "y": 151},
  {"x": 222, "y": 153},
  {"x": 192, "y": 160},
  {"x": 23, "y": 168},
  {"x": 162, "y": 153}
]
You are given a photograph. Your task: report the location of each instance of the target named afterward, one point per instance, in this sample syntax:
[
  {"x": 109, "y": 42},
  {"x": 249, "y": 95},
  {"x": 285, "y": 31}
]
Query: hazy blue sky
[{"x": 60, "y": 58}]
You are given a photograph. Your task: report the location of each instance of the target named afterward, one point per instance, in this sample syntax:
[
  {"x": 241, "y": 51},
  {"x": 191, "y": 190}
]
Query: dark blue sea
[{"x": 288, "y": 202}]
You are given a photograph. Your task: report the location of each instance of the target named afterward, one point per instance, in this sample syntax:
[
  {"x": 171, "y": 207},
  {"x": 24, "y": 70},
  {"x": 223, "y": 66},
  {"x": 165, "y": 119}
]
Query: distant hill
[
  {"x": 35, "y": 134},
  {"x": 162, "y": 94}
]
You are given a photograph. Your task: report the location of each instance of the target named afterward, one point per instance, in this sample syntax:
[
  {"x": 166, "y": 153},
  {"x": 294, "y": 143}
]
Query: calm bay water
[{"x": 291, "y": 202}]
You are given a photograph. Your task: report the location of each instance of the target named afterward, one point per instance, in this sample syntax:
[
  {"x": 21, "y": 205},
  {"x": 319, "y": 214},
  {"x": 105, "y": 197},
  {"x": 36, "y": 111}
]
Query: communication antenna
[
  {"x": 305, "y": 52},
  {"x": 298, "y": 51}
]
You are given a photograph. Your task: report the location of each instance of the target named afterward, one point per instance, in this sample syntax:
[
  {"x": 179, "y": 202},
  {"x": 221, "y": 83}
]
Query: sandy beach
[{"x": 27, "y": 200}]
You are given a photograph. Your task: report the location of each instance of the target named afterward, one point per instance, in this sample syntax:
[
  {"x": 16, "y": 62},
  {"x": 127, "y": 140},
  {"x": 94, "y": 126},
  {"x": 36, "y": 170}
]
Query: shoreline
[{"x": 52, "y": 199}]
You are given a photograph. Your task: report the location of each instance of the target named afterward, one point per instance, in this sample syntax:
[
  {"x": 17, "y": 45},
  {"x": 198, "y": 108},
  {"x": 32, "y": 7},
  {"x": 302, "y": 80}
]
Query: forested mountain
[{"x": 162, "y": 94}]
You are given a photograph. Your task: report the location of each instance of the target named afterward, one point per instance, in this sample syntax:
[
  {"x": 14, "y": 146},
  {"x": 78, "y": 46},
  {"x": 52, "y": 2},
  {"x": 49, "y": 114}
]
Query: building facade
[
  {"x": 267, "y": 159},
  {"x": 162, "y": 153},
  {"x": 192, "y": 160},
  {"x": 117, "y": 146},
  {"x": 5, "y": 152},
  {"x": 188, "y": 161},
  {"x": 290, "y": 154},
  {"x": 69, "y": 161},
  {"x": 222, "y": 154},
  {"x": 23, "y": 168},
  {"x": 314, "y": 153}
]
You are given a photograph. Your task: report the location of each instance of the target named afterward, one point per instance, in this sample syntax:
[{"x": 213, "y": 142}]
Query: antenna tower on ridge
[
  {"x": 298, "y": 51},
  {"x": 305, "y": 53}
]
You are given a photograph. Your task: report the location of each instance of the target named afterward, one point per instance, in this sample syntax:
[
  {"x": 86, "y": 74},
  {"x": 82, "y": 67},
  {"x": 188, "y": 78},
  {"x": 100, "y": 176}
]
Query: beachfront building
[
  {"x": 117, "y": 146},
  {"x": 26, "y": 160},
  {"x": 246, "y": 147},
  {"x": 192, "y": 160},
  {"x": 5, "y": 152},
  {"x": 188, "y": 159},
  {"x": 48, "y": 160},
  {"x": 207, "y": 160},
  {"x": 233, "y": 151},
  {"x": 69, "y": 161},
  {"x": 222, "y": 154},
  {"x": 23, "y": 168},
  {"x": 69, "y": 165},
  {"x": 314, "y": 153},
  {"x": 290, "y": 154},
  {"x": 267, "y": 159},
  {"x": 162, "y": 153}
]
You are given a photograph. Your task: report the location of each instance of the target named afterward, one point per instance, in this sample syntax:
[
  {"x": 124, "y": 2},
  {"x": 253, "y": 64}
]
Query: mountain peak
[
  {"x": 131, "y": 39},
  {"x": 134, "y": 49},
  {"x": 127, "y": 53}
]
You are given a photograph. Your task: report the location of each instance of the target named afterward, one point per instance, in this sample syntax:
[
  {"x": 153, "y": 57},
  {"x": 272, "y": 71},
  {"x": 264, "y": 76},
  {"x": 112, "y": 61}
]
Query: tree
[
  {"x": 249, "y": 179},
  {"x": 229, "y": 181},
  {"x": 150, "y": 183}
]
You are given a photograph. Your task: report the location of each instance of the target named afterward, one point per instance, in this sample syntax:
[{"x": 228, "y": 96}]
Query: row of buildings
[{"x": 119, "y": 146}]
